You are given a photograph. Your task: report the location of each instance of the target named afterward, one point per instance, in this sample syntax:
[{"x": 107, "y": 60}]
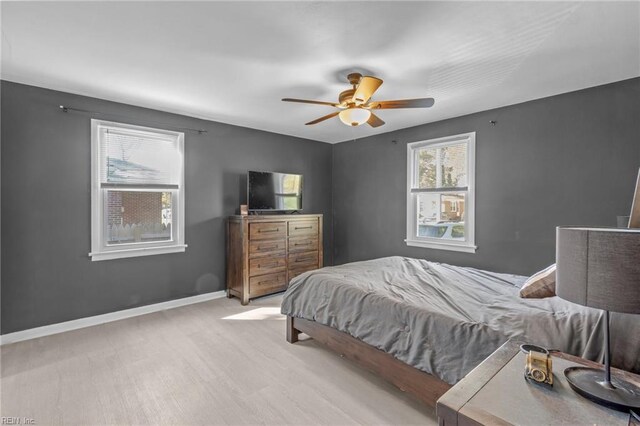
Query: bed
[{"x": 441, "y": 320}]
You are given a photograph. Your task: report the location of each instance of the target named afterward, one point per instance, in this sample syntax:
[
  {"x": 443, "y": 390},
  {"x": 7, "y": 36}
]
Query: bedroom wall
[
  {"x": 47, "y": 276},
  {"x": 570, "y": 159}
]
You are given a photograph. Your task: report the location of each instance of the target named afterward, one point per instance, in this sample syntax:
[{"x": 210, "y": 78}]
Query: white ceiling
[{"x": 233, "y": 62}]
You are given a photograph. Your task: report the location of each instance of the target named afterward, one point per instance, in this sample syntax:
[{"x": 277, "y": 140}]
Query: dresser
[{"x": 264, "y": 252}]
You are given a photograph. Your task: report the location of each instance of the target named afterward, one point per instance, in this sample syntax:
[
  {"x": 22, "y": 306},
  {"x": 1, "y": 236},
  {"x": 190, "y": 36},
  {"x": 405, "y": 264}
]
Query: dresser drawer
[
  {"x": 297, "y": 244},
  {"x": 267, "y": 284},
  {"x": 303, "y": 259},
  {"x": 259, "y": 248},
  {"x": 266, "y": 265},
  {"x": 267, "y": 230},
  {"x": 303, "y": 228},
  {"x": 301, "y": 270}
]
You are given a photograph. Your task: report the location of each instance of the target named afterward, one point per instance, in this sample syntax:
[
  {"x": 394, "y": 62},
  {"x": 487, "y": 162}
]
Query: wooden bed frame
[{"x": 423, "y": 386}]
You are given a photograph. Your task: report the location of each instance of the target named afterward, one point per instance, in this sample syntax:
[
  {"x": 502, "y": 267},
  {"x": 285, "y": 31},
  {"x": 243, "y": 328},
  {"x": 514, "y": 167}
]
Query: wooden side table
[{"x": 497, "y": 393}]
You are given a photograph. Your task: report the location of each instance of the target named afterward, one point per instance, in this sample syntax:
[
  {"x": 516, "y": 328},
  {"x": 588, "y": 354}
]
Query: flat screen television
[{"x": 274, "y": 191}]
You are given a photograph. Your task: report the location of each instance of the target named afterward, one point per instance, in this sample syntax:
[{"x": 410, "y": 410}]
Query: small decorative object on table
[
  {"x": 600, "y": 268},
  {"x": 538, "y": 368}
]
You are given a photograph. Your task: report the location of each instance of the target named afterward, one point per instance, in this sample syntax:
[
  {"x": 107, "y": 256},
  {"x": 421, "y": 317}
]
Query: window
[
  {"x": 441, "y": 193},
  {"x": 137, "y": 191}
]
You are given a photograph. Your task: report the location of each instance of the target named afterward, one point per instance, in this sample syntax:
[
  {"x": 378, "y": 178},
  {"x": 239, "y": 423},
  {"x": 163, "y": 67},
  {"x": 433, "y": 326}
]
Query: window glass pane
[
  {"x": 131, "y": 158},
  {"x": 434, "y": 231},
  {"x": 444, "y": 167},
  {"x": 441, "y": 215},
  {"x": 134, "y": 216}
]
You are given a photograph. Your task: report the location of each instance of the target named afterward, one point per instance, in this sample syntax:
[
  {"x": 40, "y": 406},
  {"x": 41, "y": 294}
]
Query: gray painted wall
[
  {"x": 570, "y": 159},
  {"x": 47, "y": 276}
]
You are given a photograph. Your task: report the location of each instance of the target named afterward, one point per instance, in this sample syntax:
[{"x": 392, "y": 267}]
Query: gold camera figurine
[{"x": 539, "y": 367}]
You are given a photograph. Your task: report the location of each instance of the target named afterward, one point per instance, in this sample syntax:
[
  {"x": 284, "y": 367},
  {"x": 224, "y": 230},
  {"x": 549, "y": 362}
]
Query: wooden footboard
[{"x": 425, "y": 387}]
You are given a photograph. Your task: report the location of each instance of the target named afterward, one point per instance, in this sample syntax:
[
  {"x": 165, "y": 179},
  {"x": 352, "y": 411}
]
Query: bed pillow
[{"x": 541, "y": 284}]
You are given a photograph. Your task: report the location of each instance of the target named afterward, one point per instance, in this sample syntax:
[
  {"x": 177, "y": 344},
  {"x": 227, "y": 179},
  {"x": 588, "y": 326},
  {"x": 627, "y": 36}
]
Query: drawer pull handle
[
  {"x": 269, "y": 230},
  {"x": 269, "y": 281},
  {"x": 304, "y": 227},
  {"x": 304, "y": 259},
  {"x": 269, "y": 265},
  {"x": 301, "y": 244},
  {"x": 267, "y": 247}
]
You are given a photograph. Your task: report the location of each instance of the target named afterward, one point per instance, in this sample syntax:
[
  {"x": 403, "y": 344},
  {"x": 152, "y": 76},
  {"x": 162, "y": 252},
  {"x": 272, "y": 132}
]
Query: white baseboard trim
[{"x": 61, "y": 327}]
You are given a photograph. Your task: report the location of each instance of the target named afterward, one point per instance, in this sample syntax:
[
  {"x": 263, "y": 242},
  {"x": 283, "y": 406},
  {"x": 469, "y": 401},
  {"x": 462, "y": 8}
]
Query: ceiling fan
[{"x": 356, "y": 105}]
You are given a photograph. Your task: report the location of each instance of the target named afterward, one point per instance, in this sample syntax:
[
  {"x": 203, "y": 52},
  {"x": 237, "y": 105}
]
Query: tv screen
[{"x": 274, "y": 191}]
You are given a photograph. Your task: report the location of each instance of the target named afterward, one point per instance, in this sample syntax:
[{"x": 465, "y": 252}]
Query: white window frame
[
  {"x": 100, "y": 250},
  {"x": 468, "y": 245}
]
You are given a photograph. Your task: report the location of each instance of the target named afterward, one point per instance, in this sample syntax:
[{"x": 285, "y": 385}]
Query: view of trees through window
[
  {"x": 442, "y": 167},
  {"x": 441, "y": 212}
]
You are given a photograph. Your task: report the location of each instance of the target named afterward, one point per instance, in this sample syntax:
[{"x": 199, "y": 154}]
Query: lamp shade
[
  {"x": 354, "y": 116},
  {"x": 599, "y": 267}
]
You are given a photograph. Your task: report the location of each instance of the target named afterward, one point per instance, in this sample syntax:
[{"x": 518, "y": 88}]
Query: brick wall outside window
[
  {"x": 134, "y": 207},
  {"x": 114, "y": 207}
]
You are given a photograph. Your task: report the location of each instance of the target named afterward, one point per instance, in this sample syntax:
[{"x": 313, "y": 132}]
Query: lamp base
[{"x": 589, "y": 382}]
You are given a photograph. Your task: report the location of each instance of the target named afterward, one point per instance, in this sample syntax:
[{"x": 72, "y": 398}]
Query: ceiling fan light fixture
[
  {"x": 355, "y": 105},
  {"x": 354, "y": 116}
]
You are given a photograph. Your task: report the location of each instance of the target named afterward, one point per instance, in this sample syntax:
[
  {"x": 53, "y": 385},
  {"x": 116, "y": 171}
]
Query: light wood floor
[{"x": 215, "y": 362}]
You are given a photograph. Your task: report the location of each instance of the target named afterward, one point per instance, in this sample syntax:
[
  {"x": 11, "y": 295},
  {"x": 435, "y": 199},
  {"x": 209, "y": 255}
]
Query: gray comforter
[{"x": 446, "y": 319}]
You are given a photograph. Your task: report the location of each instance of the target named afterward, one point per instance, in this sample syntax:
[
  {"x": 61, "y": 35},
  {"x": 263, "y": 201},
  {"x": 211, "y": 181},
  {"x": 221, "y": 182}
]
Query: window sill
[
  {"x": 136, "y": 252},
  {"x": 465, "y": 248}
]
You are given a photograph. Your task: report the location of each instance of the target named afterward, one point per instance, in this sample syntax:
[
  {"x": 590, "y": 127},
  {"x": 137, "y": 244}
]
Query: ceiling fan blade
[
  {"x": 326, "y": 117},
  {"x": 404, "y": 103},
  {"x": 366, "y": 88},
  {"x": 305, "y": 101},
  {"x": 374, "y": 121}
]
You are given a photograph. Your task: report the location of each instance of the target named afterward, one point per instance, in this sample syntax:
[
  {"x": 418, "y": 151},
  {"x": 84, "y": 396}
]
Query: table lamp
[{"x": 600, "y": 268}]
